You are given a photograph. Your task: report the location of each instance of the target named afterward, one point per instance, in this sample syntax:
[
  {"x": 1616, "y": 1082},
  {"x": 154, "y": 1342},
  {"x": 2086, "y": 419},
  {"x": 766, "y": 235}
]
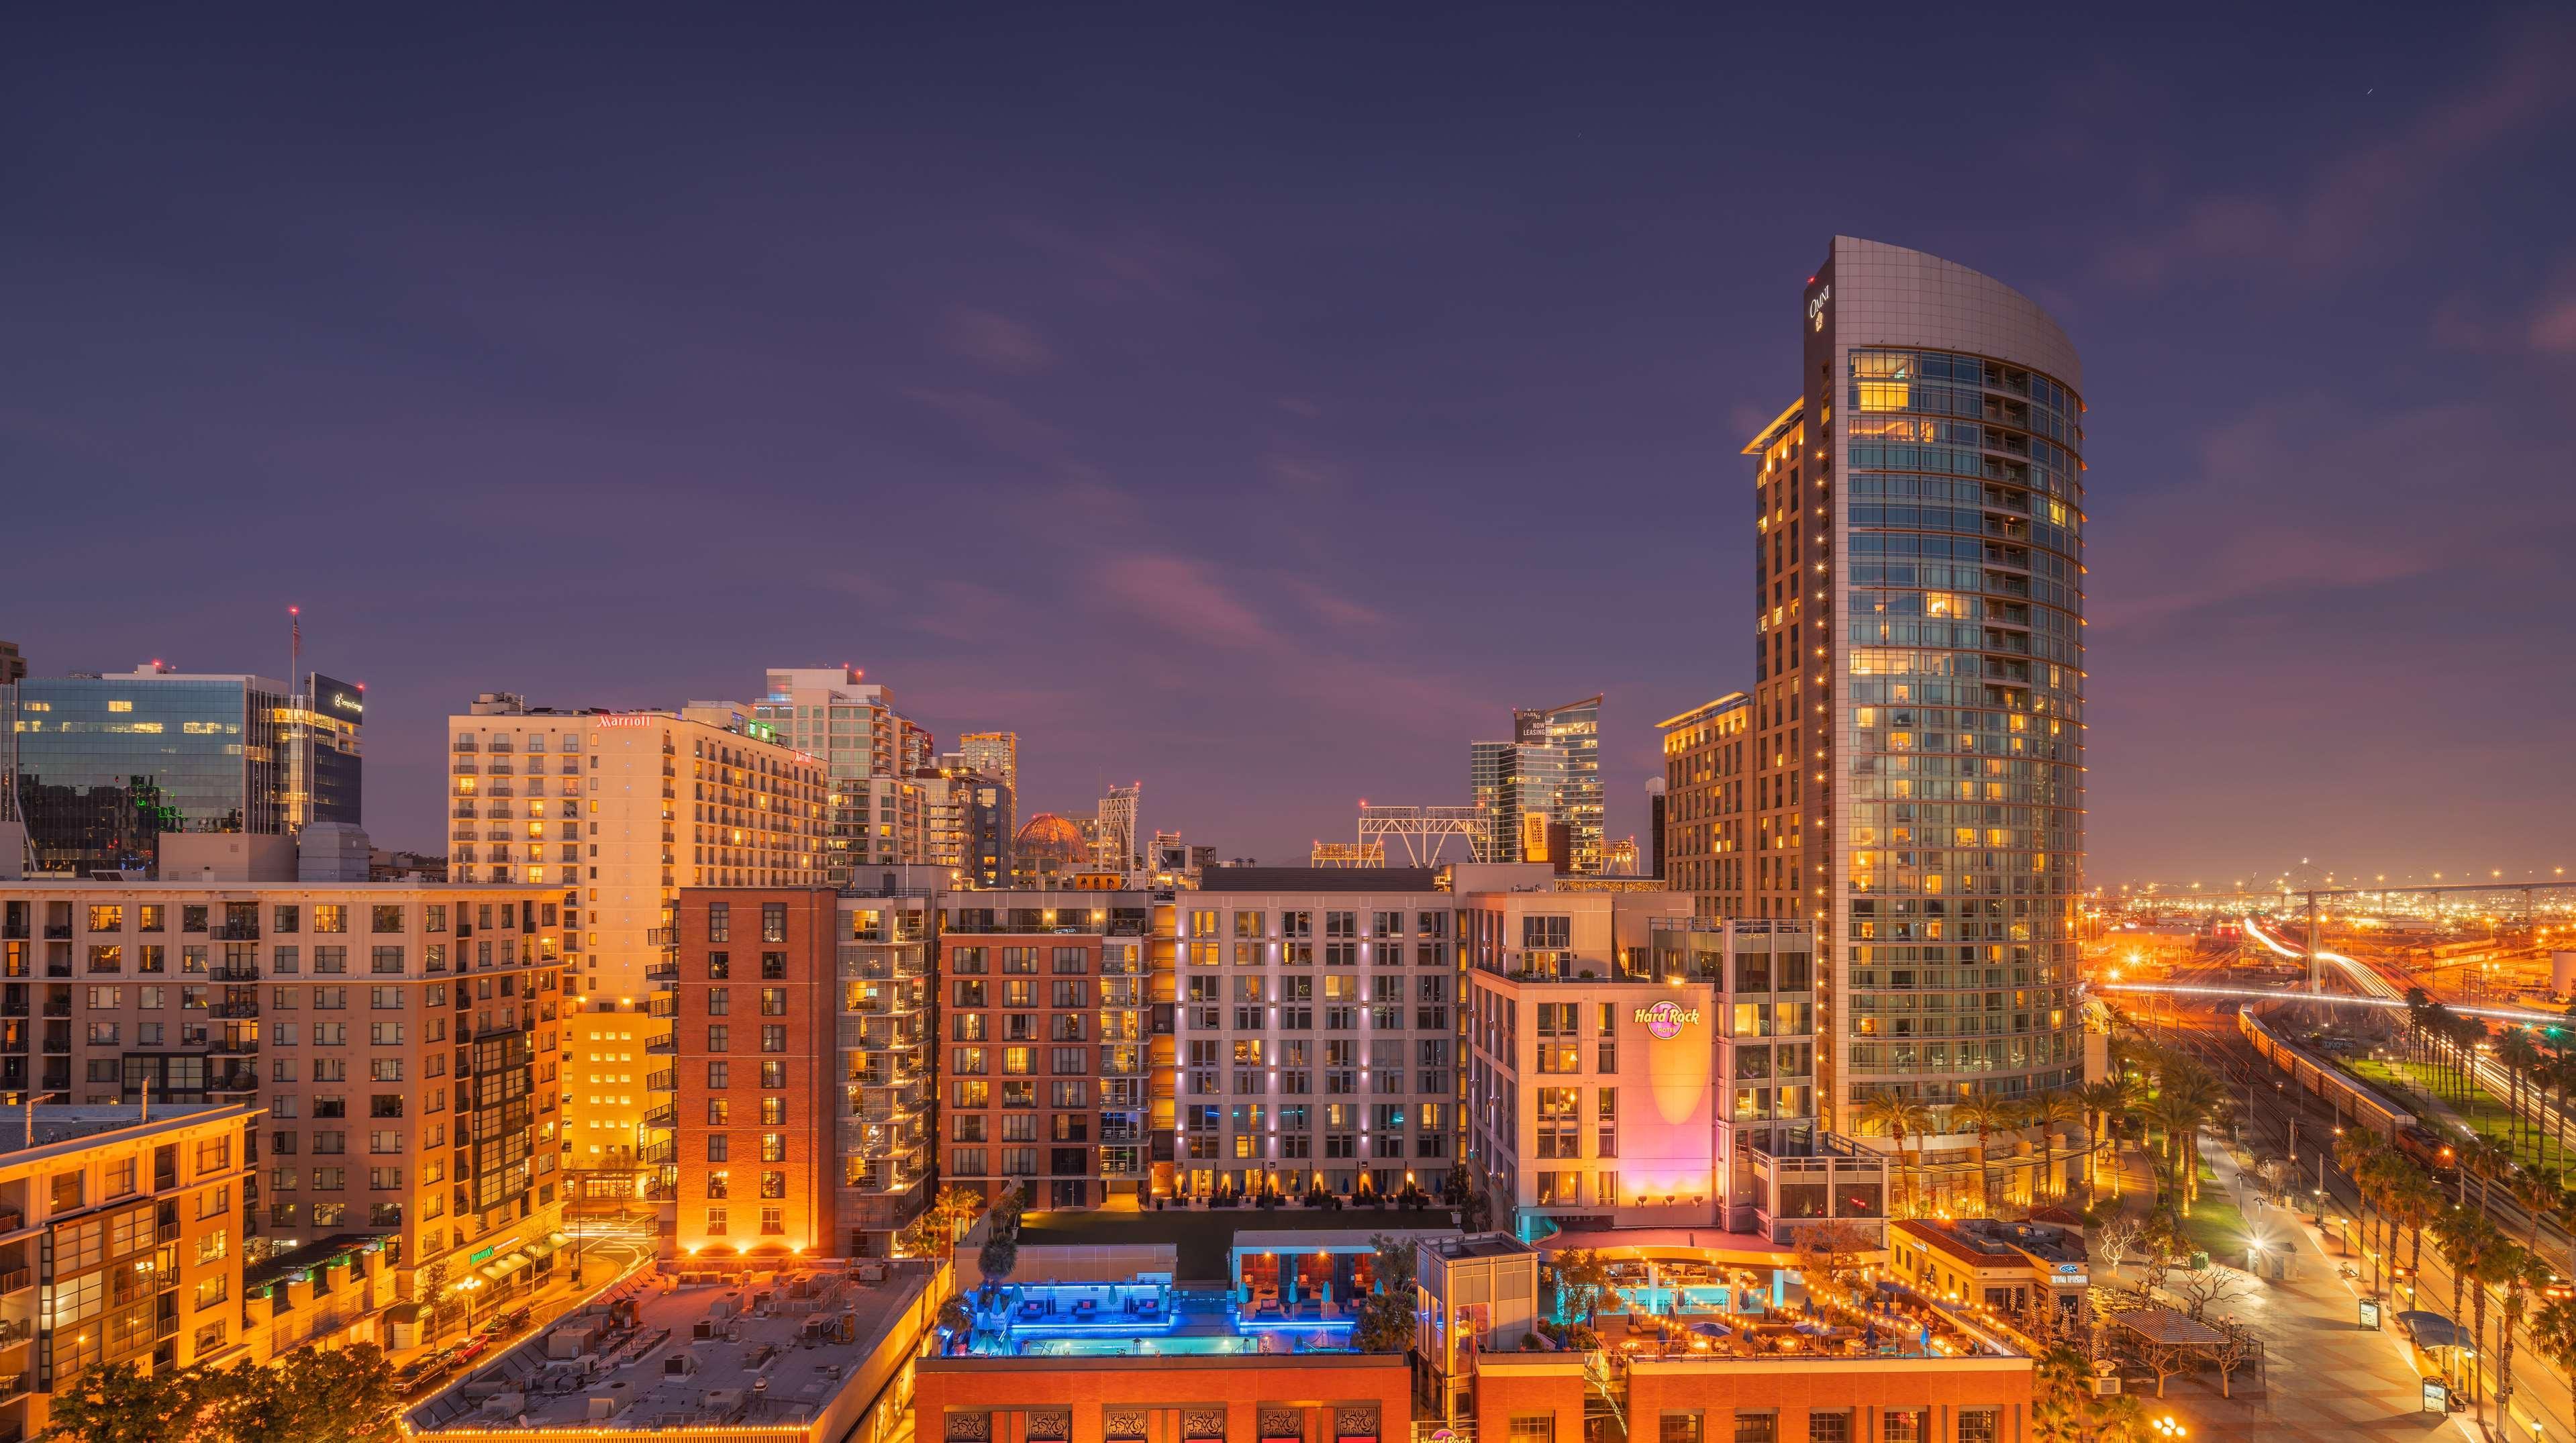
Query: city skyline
[{"x": 1192, "y": 421}]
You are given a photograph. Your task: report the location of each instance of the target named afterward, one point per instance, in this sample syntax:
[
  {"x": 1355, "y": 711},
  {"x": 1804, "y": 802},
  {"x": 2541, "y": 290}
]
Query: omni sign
[
  {"x": 1816, "y": 306},
  {"x": 1665, "y": 1020}
]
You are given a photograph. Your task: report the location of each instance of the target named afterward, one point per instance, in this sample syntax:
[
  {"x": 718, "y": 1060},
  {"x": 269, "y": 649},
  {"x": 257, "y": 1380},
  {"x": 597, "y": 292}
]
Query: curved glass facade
[{"x": 1960, "y": 735}]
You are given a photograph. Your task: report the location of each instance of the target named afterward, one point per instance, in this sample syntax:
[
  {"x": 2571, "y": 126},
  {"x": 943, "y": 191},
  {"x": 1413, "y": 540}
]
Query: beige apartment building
[
  {"x": 120, "y": 1242},
  {"x": 1705, "y": 771},
  {"x": 614, "y": 812},
  {"x": 403, "y": 1038}
]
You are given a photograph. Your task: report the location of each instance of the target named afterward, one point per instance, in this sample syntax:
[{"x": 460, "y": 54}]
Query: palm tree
[
  {"x": 2415, "y": 1203},
  {"x": 2102, "y": 1101},
  {"x": 1985, "y": 1114},
  {"x": 2520, "y": 1057},
  {"x": 2466, "y": 1242},
  {"x": 2540, "y": 1193},
  {"x": 2052, "y": 1111},
  {"x": 2359, "y": 1152},
  {"x": 2187, "y": 1099},
  {"x": 2489, "y": 1267},
  {"x": 1899, "y": 1117},
  {"x": 2420, "y": 1008},
  {"x": 2521, "y": 1278},
  {"x": 2558, "y": 1075},
  {"x": 2490, "y": 1159}
]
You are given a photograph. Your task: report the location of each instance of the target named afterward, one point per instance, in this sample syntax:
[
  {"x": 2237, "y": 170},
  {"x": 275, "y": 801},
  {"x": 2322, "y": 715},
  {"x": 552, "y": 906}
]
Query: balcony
[
  {"x": 235, "y": 1009},
  {"x": 234, "y": 1047},
  {"x": 58, "y": 931},
  {"x": 661, "y": 1046},
  {"x": 234, "y": 972},
  {"x": 15, "y": 1279},
  {"x": 665, "y": 1115},
  {"x": 662, "y": 972}
]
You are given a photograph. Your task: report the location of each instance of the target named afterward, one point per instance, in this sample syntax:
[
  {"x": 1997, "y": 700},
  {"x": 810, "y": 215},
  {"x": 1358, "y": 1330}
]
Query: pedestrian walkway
[{"x": 2326, "y": 1376}]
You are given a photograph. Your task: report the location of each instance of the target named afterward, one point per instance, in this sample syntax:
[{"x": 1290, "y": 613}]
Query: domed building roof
[{"x": 1049, "y": 836}]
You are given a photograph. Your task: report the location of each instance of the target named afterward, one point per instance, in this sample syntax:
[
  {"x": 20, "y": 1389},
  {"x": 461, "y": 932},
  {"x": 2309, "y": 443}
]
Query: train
[
  {"x": 2427, "y": 1149},
  {"x": 2350, "y": 1100}
]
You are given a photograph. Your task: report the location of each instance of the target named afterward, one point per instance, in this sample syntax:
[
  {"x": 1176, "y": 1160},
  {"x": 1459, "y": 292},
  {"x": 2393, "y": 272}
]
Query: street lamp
[
  {"x": 2169, "y": 1426},
  {"x": 469, "y": 1287}
]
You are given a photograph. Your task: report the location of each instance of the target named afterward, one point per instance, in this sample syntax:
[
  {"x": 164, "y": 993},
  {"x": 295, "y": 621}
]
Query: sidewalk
[{"x": 2325, "y": 1376}]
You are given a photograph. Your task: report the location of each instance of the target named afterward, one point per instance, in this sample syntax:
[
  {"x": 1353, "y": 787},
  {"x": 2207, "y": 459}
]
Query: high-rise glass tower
[
  {"x": 1919, "y": 663},
  {"x": 1573, "y": 733},
  {"x": 108, "y": 763}
]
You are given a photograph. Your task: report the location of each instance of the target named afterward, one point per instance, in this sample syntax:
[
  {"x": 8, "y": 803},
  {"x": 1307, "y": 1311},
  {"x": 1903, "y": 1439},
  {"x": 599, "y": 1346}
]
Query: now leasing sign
[{"x": 1665, "y": 1020}]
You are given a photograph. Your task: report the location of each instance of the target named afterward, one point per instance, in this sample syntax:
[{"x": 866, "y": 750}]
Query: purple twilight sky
[{"x": 1260, "y": 403}]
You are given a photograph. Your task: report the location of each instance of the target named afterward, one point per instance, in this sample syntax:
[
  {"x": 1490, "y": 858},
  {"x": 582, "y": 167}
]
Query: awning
[
  {"x": 545, "y": 1246},
  {"x": 500, "y": 1268},
  {"x": 2432, "y": 1330}
]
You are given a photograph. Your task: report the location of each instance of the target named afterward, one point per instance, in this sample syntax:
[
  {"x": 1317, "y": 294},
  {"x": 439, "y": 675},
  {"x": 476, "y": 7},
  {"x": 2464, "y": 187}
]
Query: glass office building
[
  {"x": 1919, "y": 669},
  {"x": 107, "y": 764}
]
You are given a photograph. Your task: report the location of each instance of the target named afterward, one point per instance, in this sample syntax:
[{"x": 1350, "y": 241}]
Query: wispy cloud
[
  {"x": 994, "y": 423},
  {"x": 1186, "y": 599},
  {"x": 2237, "y": 539},
  {"x": 1130, "y": 264},
  {"x": 995, "y": 342},
  {"x": 2365, "y": 204}
]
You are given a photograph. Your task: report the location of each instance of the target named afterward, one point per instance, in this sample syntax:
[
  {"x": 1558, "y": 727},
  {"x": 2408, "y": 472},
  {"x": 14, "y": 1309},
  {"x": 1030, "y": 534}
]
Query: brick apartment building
[
  {"x": 1044, "y": 1044},
  {"x": 753, "y": 1031}
]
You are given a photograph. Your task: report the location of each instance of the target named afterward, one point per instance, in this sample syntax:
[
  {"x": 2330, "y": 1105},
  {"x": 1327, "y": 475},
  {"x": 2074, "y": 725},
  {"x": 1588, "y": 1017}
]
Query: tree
[
  {"x": 2061, "y": 1396},
  {"x": 120, "y": 1403},
  {"x": 2117, "y": 1237},
  {"x": 2540, "y": 1193},
  {"x": 2414, "y": 1202},
  {"x": 2201, "y": 1289},
  {"x": 957, "y": 1316},
  {"x": 1582, "y": 1276},
  {"x": 2521, "y": 1058},
  {"x": 307, "y": 1396},
  {"x": 2487, "y": 1157},
  {"x": 2521, "y": 1276},
  {"x": 2467, "y": 1242},
  {"x": 438, "y": 1304},
  {"x": 1001, "y": 1250},
  {"x": 2274, "y": 1173},
  {"x": 1475, "y": 1208},
  {"x": 2051, "y": 1111},
  {"x": 1898, "y": 1117},
  {"x": 1985, "y": 1115},
  {"x": 2103, "y": 1100},
  {"x": 1385, "y": 1323},
  {"x": 956, "y": 1209},
  {"x": 2237, "y": 1345},
  {"x": 2160, "y": 1246},
  {"x": 1829, "y": 1255},
  {"x": 2187, "y": 1099}
]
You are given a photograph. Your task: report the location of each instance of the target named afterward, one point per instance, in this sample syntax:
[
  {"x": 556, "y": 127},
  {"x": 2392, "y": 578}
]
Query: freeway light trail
[
  {"x": 2367, "y": 978},
  {"x": 2332, "y": 999}
]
